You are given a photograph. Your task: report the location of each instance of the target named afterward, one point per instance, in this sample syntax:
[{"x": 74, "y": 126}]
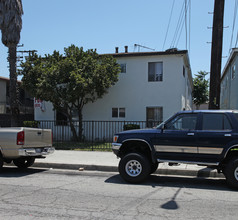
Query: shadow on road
[
  {"x": 10, "y": 172},
  {"x": 179, "y": 181}
]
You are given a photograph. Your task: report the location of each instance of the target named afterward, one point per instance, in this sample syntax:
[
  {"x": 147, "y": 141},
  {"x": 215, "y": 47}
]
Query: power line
[
  {"x": 189, "y": 25},
  {"x": 168, "y": 24},
  {"x": 185, "y": 23},
  {"x": 181, "y": 24},
  {"x": 178, "y": 26}
]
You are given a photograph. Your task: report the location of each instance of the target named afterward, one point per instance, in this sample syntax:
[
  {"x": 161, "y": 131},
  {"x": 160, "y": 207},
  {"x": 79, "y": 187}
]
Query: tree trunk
[
  {"x": 80, "y": 131},
  {"x": 13, "y": 87},
  {"x": 72, "y": 127}
]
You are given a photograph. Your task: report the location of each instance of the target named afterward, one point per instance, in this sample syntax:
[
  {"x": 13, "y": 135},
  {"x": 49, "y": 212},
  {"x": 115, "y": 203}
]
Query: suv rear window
[{"x": 215, "y": 122}]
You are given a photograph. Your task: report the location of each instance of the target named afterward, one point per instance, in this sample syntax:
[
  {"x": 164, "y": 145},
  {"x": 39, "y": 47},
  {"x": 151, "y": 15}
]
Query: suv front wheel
[
  {"x": 134, "y": 167},
  {"x": 231, "y": 172}
]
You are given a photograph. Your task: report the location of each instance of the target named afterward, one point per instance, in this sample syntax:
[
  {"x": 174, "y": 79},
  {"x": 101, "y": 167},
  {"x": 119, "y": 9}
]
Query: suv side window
[
  {"x": 215, "y": 121},
  {"x": 182, "y": 122}
]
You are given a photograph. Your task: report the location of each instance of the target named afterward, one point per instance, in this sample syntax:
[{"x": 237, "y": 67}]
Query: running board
[{"x": 188, "y": 162}]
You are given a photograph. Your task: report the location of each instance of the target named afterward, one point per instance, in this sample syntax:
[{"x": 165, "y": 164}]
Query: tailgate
[{"x": 36, "y": 137}]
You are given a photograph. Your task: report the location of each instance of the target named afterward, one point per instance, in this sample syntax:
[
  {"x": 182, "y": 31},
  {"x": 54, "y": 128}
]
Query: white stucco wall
[
  {"x": 134, "y": 93},
  {"x": 44, "y": 113}
]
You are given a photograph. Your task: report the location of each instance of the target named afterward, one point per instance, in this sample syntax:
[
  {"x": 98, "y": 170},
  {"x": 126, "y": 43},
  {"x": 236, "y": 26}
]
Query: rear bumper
[{"x": 36, "y": 151}]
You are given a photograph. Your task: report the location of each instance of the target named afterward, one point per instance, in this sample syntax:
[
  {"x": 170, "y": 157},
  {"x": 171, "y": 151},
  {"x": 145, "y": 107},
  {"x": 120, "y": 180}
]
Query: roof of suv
[{"x": 209, "y": 111}]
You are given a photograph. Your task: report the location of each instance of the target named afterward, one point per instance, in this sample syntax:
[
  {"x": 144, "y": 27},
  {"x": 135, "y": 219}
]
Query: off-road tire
[
  {"x": 231, "y": 173},
  {"x": 24, "y": 162},
  {"x": 134, "y": 167}
]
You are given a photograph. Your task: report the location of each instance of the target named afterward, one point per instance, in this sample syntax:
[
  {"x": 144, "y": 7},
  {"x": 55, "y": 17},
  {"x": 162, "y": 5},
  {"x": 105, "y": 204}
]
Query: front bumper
[
  {"x": 41, "y": 151},
  {"x": 116, "y": 148}
]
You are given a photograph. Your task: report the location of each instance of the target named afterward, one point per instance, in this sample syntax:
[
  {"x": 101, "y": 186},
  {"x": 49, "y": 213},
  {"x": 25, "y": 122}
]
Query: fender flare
[
  {"x": 151, "y": 148},
  {"x": 229, "y": 149}
]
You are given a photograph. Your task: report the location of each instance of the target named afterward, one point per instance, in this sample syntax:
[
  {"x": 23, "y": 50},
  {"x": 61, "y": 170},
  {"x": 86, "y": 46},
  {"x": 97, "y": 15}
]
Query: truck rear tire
[
  {"x": 134, "y": 168},
  {"x": 231, "y": 172},
  {"x": 24, "y": 162}
]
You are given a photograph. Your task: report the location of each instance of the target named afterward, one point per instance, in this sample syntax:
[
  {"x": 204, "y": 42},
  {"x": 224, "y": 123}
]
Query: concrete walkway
[{"x": 107, "y": 161}]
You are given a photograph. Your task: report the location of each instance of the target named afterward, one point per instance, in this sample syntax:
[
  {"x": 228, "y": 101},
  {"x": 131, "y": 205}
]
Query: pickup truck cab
[
  {"x": 22, "y": 145},
  {"x": 208, "y": 137}
]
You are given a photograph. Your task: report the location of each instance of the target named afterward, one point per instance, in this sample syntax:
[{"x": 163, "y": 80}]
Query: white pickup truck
[{"x": 22, "y": 145}]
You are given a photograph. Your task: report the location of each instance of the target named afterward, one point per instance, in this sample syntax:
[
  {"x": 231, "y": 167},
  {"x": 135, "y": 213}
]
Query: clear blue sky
[{"x": 50, "y": 25}]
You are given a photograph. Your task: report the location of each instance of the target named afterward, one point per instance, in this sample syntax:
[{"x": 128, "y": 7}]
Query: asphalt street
[{"x": 67, "y": 194}]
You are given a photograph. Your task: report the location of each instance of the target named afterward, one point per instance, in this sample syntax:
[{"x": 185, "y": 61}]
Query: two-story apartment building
[
  {"x": 151, "y": 87},
  {"x": 229, "y": 82}
]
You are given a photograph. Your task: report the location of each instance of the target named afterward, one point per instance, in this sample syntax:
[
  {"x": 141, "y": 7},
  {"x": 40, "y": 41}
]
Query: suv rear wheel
[
  {"x": 231, "y": 172},
  {"x": 134, "y": 167}
]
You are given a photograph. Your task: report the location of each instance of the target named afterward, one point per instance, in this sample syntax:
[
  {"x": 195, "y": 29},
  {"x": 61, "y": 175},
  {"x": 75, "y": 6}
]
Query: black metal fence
[{"x": 96, "y": 135}]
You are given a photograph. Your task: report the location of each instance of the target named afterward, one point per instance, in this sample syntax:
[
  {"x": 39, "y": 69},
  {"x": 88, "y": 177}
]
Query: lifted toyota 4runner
[{"x": 208, "y": 137}]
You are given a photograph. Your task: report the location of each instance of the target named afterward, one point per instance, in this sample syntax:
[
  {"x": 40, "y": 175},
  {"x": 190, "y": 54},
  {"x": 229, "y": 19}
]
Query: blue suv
[{"x": 206, "y": 137}]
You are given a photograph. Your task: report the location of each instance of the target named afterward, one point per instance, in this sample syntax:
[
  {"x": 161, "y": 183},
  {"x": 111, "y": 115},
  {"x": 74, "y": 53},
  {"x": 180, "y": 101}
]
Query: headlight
[{"x": 115, "y": 137}]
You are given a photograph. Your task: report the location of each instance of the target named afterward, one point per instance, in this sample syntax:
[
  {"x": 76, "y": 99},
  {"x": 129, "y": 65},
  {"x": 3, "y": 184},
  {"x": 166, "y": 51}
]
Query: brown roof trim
[
  {"x": 134, "y": 54},
  {"x": 7, "y": 79}
]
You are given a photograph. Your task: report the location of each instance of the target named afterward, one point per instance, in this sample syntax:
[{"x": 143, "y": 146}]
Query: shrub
[
  {"x": 130, "y": 127},
  {"x": 31, "y": 124}
]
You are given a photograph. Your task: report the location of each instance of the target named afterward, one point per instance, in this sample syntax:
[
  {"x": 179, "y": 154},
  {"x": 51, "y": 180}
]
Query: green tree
[
  {"x": 200, "y": 88},
  {"x": 11, "y": 24},
  {"x": 70, "y": 81}
]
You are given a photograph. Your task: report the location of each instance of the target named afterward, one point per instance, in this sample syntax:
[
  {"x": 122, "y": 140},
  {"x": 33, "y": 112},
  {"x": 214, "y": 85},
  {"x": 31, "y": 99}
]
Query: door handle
[
  {"x": 190, "y": 134},
  {"x": 227, "y": 135}
]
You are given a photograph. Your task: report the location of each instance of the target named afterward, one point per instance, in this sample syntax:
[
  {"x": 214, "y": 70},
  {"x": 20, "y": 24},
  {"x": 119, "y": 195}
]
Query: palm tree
[{"x": 11, "y": 24}]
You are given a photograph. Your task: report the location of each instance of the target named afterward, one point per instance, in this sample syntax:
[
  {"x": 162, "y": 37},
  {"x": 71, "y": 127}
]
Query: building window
[
  {"x": 183, "y": 71},
  {"x": 233, "y": 71},
  {"x": 123, "y": 68},
  {"x": 154, "y": 116},
  {"x": 155, "y": 72},
  {"x": 118, "y": 112}
]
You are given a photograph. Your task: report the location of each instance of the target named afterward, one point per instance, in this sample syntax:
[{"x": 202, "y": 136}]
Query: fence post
[{"x": 92, "y": 134}]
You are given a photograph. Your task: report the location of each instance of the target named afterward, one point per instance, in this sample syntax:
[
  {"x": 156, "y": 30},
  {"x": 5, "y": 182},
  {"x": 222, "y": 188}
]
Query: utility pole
[{"x": 216, "y": 55}]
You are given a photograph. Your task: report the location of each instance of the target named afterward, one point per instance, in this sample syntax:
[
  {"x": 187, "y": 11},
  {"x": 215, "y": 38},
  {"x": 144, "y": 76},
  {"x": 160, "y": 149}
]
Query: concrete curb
[
  {"x": 77, "y": 167},
  {"x": 205, "y": 172}
]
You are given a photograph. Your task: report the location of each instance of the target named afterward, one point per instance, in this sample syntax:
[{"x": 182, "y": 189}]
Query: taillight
[{"x": 20, "y": 138}]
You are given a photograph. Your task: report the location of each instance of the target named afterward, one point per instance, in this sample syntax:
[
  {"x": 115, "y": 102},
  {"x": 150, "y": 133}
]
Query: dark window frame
[
  {"x": 118, "y": 112},
  {"x": 152, "y": 76}
]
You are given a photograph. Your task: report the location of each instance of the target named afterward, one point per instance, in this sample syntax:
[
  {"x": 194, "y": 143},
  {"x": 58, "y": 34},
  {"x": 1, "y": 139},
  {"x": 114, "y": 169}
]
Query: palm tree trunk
[{"x": 13, "y": 87}]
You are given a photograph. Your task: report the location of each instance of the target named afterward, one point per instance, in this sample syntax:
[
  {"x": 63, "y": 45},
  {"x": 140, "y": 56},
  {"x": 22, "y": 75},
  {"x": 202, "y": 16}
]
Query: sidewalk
[{"x": 107, "y": 161}]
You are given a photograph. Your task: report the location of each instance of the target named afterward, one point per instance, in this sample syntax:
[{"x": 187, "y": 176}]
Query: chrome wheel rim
[
  {"x": 133, "y": 168},
  {"x": 236, "y": 173}
]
